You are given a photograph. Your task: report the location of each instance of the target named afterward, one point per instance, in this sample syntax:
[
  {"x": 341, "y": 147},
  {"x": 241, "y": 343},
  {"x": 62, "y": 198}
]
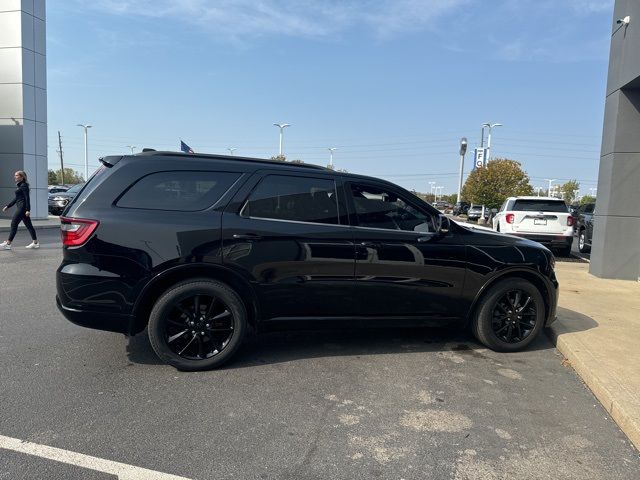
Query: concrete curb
[
  {"x": 37, "y": 227},
  {"x": 576, "y": 357}
]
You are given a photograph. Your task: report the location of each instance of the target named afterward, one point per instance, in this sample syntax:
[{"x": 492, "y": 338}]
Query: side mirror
[{"x": 443, "y": 224}]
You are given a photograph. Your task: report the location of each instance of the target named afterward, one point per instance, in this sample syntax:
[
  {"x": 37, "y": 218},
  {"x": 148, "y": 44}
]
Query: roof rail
[{"x": 151, "y": 152}]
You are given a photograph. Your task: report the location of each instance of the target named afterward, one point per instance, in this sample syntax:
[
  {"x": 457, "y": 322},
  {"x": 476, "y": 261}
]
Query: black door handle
[{"x": 246, "y": 236}]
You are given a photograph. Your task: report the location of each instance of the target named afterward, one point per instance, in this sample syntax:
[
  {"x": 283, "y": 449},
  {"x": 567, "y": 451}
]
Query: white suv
[{"x": 543, "y": 219}]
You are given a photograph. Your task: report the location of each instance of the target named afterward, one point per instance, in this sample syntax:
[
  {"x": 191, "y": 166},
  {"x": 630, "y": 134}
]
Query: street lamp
[
  {"x": 331, "y": 150},
  {"x": 490, "y": 126},
  {"x": 131, "y": 147},
  {"x": 432, "y": 184},
  {"x": 549, "y": 180},
  {"x": 463, "y": 150},
  {"x": 231, "y": 150},
  {"x": 86, "y": 151},
  {"x": 281, "y": 126}
]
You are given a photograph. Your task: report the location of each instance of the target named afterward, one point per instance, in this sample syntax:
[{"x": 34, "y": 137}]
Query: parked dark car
[
  {"x": 59, "y": 200},
  {"x": 475, "y": 212},
  {"x": 584, "y": 227},
  {"x": 200, "y": 248},
  {"x": 461, "y": 208}
]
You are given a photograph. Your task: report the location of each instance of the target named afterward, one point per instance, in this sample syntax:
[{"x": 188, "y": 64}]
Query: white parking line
[{"x": 121, "y": 470}]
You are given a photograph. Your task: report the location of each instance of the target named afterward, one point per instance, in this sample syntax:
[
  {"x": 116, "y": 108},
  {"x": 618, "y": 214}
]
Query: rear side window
[
  {"x": 179, "y": 190},
  {"x": 540, "y": 206},
  {"x": 302, "y": 199}
]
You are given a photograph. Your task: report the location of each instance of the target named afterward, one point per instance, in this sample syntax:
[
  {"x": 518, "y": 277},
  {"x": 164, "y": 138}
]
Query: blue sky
[{"x": 393, "y": 84}]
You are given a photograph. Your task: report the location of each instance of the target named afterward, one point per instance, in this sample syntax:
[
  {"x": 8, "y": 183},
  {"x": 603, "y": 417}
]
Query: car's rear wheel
[
  {"x": 582, "y": 242},
  {"x": 197, "y": 325},
  {"x": 510, "y": 315}
]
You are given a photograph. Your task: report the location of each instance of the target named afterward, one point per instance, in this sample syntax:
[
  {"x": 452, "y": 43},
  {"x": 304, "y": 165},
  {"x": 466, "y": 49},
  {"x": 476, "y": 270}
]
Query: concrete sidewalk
[
  {"x": 51, "y": 222},
  {"x": 598, "y": 331}
]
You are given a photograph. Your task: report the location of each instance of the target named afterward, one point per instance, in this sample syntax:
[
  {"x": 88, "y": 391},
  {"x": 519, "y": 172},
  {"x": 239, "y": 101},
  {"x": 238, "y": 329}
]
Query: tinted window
[
  {"x": 182, "y": 191},
  {"x": 589, "y": 208},
  {"x": 301, "y": 199},
  {"x": 540, "y": 206},
  {"x": 376, "y": 208}
]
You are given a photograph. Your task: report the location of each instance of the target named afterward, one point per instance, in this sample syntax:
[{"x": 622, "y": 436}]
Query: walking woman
[{"x": 23, "y": 212}]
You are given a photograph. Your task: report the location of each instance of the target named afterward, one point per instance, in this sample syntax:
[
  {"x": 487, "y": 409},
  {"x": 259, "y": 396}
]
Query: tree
[
  {"x": 587, "y": 199},
  {"x": 70, "y": 177},
  {"x": 491, "y": 185},
  {"x": 452, "y": 198},
  {"x": 569, "y": 190}
]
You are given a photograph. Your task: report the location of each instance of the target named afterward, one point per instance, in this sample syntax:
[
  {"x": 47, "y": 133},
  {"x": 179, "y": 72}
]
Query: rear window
[
  {"x": 178, "y": 190},
  {"x": 540, "y": 206}
]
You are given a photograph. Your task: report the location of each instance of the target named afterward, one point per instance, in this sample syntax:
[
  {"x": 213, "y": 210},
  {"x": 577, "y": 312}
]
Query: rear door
[
  {"x": 288, "y": 233},
  {"x": 540, "y": 216}
]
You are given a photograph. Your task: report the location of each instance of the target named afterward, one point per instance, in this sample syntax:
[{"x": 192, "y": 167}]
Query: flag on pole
[{"x": 185, "y": 148}]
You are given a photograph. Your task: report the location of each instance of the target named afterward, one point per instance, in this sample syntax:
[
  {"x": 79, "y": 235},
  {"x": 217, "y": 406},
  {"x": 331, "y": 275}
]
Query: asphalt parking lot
[{"x": 401, "y": 404}]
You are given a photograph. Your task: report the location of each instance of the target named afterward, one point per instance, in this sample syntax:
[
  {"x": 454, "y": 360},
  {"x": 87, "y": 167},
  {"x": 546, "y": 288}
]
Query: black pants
[{"x": 18, "y": 217}]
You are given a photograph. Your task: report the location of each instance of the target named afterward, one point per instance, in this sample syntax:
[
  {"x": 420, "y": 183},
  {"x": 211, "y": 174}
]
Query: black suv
[{"x": 199, "y": 248}]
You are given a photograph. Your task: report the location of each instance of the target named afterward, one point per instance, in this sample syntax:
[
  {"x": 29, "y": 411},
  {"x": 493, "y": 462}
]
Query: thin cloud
[{"x": 249, "y": 18}]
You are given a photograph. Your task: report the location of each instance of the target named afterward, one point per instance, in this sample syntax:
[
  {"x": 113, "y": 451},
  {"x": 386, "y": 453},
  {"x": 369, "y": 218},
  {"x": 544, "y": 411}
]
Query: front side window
[
  {"x": 378, "y": 208},
  {"x": 179, "y": 191},
  {"x": 300, "y": 199}
]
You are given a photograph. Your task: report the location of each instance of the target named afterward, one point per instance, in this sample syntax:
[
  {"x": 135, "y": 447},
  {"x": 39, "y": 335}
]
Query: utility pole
[{"x": 61, "y": 160}]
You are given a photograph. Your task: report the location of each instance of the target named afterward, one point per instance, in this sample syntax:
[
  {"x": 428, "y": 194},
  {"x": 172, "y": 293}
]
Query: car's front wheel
[
  {"x": 509, "y": 316},
  {"x": 197, "y": 324}
]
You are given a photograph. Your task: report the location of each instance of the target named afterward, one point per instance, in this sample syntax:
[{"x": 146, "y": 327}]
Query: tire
[
  {"x": 582, "y": 242},
  {"x": 565, "y": 251},
  {"x": 197, "y": 325},
  {"x": 486, "y": 323}
]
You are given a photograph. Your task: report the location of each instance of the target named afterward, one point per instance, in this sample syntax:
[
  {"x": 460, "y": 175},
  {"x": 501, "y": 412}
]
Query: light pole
[
  {"x": 231, "y": 150},
  {"x": 131, "y": 147},
  {"x": 490, "y": 126},
  {"x": 281, "y": 126},
  {"x": 549, "y": 180},
  {"x": 539, "y": 189},
  {"x": 431, "y": 190},
  {"x": 86, "y": 151},
  {"x": 463, "y": 150},
  {"x": 331, "y": 150}
]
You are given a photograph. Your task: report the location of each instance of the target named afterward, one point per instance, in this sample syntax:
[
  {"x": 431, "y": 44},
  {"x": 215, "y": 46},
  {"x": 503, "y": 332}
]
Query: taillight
[
  {"x": 76, "y": 231},
  {"x": 569, "y": 221},
  {"x": 509, "y": 217}
]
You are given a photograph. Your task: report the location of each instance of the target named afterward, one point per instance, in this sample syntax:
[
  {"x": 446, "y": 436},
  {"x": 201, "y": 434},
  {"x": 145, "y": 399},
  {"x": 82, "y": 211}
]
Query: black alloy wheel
[
  {"x": 197, "y": 325},
  {"x": 514, "y": 316},
  {"x": 510, "y": 315},
  {"x": 582, "y": 242}
]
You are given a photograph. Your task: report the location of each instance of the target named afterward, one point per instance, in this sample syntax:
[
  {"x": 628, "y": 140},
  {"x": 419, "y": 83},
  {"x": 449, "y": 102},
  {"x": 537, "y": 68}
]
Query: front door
[
  {"x": 404, "y": 267},
  {"x": 289, "y": 235}
]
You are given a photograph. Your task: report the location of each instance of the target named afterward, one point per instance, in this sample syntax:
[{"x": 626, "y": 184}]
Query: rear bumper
[
  {"x": 557, "y": 241},
  {"x": 97, "y": 320}
]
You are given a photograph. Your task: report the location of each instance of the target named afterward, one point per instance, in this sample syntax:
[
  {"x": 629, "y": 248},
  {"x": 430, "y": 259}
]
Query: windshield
[{"x": 540, "y": 206}]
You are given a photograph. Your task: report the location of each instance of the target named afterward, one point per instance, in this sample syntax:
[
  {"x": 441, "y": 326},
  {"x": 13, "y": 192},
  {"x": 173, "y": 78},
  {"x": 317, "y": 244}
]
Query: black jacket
[{"x": 21, "y": 200}]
